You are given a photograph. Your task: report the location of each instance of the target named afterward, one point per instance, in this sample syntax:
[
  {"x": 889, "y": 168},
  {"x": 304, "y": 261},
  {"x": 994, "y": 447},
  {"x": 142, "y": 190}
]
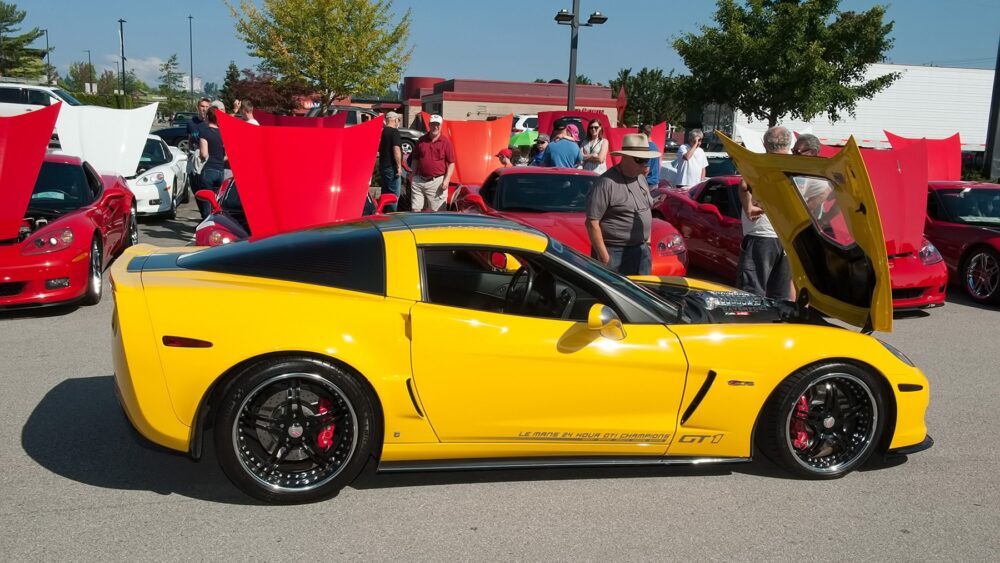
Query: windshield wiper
[{"x": 40, "y": 211}]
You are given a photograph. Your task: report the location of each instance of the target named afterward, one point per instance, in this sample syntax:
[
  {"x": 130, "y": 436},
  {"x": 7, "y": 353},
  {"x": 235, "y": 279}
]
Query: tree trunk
[{"x": 772, "y": 118}]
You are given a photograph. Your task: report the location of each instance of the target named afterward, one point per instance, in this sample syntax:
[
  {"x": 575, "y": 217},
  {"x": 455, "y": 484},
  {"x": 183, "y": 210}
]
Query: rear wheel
[
  {"x": 183, "y": 145},
  {"x": 295, "y": 430},
  {"x": 981, "y": 276},
  {"x": 823, "y": 421},
  {"x": 95, "y": 275}
]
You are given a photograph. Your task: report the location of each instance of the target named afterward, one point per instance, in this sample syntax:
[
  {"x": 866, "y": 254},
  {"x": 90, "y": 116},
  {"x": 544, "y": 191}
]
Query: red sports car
[
  {"x": 963, "y": 221},
  {"x": 552, "y": 201},
  {"x": 708, "y": 217},
  {"x": 75, "y": 222}
]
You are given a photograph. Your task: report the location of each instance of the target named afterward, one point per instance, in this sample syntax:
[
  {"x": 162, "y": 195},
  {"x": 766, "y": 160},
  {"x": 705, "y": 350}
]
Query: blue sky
[{"x": 511, "y": 40}]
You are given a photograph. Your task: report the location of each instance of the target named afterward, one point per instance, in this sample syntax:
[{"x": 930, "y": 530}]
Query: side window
[
  {"x": 501, "y": 281},
  {"x": 489, "y": 190},
  {"x": 38, "y": 97},
  {"x": 94, "y": 180},
  {"x": 821, "y": 201},
  {"x": 719, "y": 195},
  {"x": 11, "y": 96},
  {"x": 531, "y": 123},
  {"x": 352, "y": 117},
  {"x": 933, "y": 209}
]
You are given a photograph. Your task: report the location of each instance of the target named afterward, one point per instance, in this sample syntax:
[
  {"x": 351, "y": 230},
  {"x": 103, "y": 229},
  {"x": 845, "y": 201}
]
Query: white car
[
  {"x": 16, "y": 99},
  {"x": 524, "y": 122},
  {"x": 160, "y": 182}
]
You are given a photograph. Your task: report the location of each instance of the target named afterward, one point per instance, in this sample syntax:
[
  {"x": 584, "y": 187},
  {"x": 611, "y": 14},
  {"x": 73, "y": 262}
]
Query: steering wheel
[{"x": 511, "y": 299}]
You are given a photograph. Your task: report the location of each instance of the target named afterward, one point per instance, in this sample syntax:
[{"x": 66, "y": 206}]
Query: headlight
[
  {"x": 50, "y": 241},
  {"x": 929, "y": 253},
  {"x": 902, "y": 357},
  {"x": 670, "y": 245},
  {"x": 151, "y": 179}
]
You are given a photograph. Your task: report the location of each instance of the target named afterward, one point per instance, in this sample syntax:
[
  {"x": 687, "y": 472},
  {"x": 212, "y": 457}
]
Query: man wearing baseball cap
[
  {"x": 390, "y": 157},
  {"x": 505, "y": 156},
  {"x": 433, "y": 164},
  {"x": 619, "y": 211}
]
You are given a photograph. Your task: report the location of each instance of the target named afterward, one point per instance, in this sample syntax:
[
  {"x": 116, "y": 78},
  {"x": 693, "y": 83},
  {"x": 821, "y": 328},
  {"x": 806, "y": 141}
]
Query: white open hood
[{"x": 111, "y": 140}]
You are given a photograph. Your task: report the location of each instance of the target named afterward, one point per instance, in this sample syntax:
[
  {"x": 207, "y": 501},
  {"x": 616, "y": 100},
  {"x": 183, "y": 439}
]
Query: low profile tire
[
  {"x": 95, "y": 275},
  {"x": 183, "y": 145},
  {"x": 824, "y": 421},
  {"x": 172, "y": 214},
  {"x": 981, "y": 276},
  {"x": 132, "y": 234},
  {"x": 295, "y": 430}
]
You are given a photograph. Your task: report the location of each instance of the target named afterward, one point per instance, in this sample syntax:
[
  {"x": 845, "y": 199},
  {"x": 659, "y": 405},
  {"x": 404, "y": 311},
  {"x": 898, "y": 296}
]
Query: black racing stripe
[{"x": 698, "y": 397}]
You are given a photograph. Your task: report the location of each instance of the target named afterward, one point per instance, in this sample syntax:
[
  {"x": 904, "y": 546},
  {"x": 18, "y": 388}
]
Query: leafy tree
[
  {"x": 652, "y": 96},
  {"x": 172, "y": 84},
  {"x": 135, "y": 85},
  {"x": 539, "y": 80},
  {"x": 211, "y": 89},
  {"x": 583, "y": 79},
  {"x": 108, "y": 82},
  {"x": 227, "y": 94},
  {"x": 268, "y": 92},
  {"x": 340, "y": 47},
  {"x": 769, "y": 58},
  {"x": 16, "y": 58},
  {"x": 80, "y": 73}
]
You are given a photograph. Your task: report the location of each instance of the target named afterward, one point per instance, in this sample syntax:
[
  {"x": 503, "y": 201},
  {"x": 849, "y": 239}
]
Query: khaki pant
[{"x": 429, "y": 190}]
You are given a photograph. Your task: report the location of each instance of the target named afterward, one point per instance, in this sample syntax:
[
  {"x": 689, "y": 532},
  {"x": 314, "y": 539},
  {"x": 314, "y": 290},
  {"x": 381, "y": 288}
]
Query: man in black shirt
[{"x": 390, "y": 157}]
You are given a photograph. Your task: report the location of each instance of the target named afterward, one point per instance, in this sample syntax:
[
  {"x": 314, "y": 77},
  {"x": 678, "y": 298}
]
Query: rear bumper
[{"x": 915, "y": 448}]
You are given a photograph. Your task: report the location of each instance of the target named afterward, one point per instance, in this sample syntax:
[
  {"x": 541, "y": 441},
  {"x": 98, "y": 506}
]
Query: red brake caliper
[
  {"x": 798, "y": 426},
  {"x": 325, "y": 437}
]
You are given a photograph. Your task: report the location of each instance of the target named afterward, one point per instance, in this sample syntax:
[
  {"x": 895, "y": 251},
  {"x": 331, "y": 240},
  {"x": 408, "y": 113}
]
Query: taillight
[
  {"x": 50, "y": 241},
  {"x": 929, "y": 253},
  {"x": 214, "y": 235}
]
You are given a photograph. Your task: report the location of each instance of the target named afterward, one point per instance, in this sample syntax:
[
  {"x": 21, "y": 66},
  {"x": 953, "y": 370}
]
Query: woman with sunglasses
[{"x": 595, "y": 149}]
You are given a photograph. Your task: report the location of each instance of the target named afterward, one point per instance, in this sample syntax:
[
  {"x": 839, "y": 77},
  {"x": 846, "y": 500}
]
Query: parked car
[
  {"x": 708, "y": 217},
  {"x": 174, "y": 136},
  {"x": 963, "y": 222},
  {"x": 552, "y": 200},
  {"x": 16, "y": 99},
  {"x": 355, "y": 115},
  {"x": 524, "y": 122},
  {"x": 160, "y": 182},
  {"x": 182, "y": 117}
]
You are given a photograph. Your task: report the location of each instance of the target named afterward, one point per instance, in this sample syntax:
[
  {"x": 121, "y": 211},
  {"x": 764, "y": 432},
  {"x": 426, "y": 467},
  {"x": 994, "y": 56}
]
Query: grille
[
  {"x": 908, "y": 292},
  {"x": 11, "y": 289}
]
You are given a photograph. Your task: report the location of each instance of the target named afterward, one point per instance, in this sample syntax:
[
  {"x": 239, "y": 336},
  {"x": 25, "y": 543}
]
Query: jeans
[
  {"x": 390, "y": 182},
  {"x": 763, "y": 268},
  {"x": 209, "y": 179},
  {"x": 634, "y": 260}
]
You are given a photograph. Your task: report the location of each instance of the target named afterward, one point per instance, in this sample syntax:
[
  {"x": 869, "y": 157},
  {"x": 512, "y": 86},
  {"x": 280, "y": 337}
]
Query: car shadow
[
  {"x": 38, "y": 312},
  {"x": 958, "y": 297},
  {"x": 80, "y": 432},
  {"x": 180, "y": 229}
]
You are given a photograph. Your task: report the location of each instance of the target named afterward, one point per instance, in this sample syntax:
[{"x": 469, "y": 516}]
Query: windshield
[
  {"x": 720, "y": 166},
  {"x": 152, "y": 154},
  {"x": 542, "y": 193},
  {"x": 66, "y": 97},
  {"x": 972, "y": 206},
  {"x": 668, "y": 311},
  {"x": 60, "y": 188}
]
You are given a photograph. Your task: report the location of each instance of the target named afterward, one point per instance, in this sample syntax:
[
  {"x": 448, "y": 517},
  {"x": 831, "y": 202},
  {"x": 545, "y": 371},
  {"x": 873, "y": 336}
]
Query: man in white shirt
[
  {"x": 691, "y": 160},
  {"x": 763, "y": 267}
]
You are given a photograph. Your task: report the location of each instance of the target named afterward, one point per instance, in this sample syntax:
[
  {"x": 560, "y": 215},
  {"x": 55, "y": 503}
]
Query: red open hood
[
  {"x": 944, "y": 156},
  {"x": 567, "y": 228},
  {"x": 476, "y": 145},
  {"x": 293, "y": 177},
  {"x": 616, "y": 135},
  {"x": 23, "y": 141},
  {"x": 336, "y": 120}
]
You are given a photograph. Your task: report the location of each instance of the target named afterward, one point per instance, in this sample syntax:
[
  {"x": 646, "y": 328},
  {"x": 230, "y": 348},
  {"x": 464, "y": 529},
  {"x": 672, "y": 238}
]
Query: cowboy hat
[{"x": 636, "y": 145}]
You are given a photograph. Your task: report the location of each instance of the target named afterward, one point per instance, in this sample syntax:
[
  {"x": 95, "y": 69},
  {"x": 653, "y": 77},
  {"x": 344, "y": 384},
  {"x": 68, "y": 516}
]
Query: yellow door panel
[{"x": 492, "y": 377}]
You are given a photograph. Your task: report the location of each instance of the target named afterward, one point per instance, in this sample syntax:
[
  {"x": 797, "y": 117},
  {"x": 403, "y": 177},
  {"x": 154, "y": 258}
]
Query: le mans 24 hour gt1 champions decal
[{"x": 619, "y": 437}]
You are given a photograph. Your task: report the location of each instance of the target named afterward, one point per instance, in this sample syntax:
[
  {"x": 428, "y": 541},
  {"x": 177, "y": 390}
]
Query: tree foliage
[
  {"x": 16, "y": 58},
  {"x": 339, "y": 47},
  {"x": 79, "y": 74},
  {"x": 651, "y": 95},
  {"x": 171, "y": 85},
  {"x": 107, "y": 83},
  {"x": 227, "y": 94},
  {"x": 769, "y": 58},
  {"x": 268, "y": 92}
]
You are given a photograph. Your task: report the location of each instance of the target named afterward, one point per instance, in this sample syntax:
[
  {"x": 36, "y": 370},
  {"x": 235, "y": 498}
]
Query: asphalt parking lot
[{"x": 78, "y": 484}]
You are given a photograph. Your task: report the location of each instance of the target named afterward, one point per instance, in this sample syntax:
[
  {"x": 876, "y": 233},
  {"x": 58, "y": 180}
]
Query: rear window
[{"x": 346, "y": 255}]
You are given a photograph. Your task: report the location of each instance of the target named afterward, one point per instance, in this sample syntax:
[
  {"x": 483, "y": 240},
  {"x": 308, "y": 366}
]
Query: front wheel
[
  {"x": 172, "y": 213},
  {"x": 95, "y": 275},
  {"x": 823, "y": 421},
  {"x": 981, "y": 276},
  {"x": 132, "y": 236},
  {"x": 295, "y": 430}
]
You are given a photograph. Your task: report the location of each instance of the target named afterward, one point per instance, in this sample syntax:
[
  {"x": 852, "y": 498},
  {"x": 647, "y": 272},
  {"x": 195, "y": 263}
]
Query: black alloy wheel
[
  {"x": 981, "y": 276},
  {"x": 95, "y": 275},
  {"x": 824, "y": 421},
  {"x": 294, "y": 430}
]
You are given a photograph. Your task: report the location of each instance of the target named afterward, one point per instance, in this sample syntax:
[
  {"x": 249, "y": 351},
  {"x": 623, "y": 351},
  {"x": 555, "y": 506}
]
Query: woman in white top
[
  {"x": 691, "y": 160},
  {"x": 595, "y": 148}
]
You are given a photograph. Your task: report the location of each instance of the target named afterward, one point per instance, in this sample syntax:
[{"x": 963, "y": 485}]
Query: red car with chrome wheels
[{"x": 552, "y": 200}]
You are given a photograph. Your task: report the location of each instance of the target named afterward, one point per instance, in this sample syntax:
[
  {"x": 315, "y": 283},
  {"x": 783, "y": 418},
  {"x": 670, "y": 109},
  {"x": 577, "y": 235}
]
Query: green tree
[
  {"x": 583, "y": 79},
  {"x": 107, "y": 83},
  {"x": 80, "y": 73},
  {"x": 228, "y": 93},
  {"x": 211, "y": 89},
  {"x": 652, "y": 96},
  {"x": 339, "y": 47},
  {"x": 135, "y": 85},
  {"x": 16, "y": 58},
  {"x": 171, "y": 85},
  {"x": 769, "y": 58}
]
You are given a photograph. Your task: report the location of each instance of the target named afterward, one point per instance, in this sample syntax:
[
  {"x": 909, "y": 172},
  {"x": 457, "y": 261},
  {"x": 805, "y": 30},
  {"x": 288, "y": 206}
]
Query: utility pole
[
  {"x": 121, "y": 34},
  {"x": 90, "y": 73},
  {"x": 573, "y": 20},
  {"x": 191, "y": 54},
  {"x": 48, "y": 60}
]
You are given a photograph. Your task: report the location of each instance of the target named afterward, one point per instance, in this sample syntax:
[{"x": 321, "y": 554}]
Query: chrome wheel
[
  {"x": 295, "y": 432},
  {"x": 133, "y": 228},
  {"x": 95, "y": 275},
  {"x": 982, "y": 275},
  {"x": 832, "y": 424}
]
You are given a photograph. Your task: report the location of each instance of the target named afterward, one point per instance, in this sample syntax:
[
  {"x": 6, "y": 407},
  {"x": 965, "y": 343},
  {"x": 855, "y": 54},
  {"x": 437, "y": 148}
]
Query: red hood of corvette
[
  {"x": 567, "y": 228},
  {"x": 23, "y": 141}
]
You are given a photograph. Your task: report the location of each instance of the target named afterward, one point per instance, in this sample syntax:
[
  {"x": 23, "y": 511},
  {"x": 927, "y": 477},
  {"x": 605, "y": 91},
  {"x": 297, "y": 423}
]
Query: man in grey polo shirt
[{"x": 619, "y": 215}]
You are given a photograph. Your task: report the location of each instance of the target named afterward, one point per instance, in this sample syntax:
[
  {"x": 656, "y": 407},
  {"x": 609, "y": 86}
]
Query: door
[{"x": 506, "y": 356}]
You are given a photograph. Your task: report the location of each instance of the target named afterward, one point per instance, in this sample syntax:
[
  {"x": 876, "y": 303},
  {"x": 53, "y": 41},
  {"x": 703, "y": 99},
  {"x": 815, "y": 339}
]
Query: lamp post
[
  {"x": 121, "y": 34},
  {"x": 48, "y": 60},
  {"x": 90, "y": 73},
  {"x": 191, "y": 54},
  {"x": 573, "y": 20}
]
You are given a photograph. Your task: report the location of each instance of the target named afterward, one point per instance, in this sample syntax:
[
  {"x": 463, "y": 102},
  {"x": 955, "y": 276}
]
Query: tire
[
  {"x": 981, "y": 275},
  {"x": 406, "y": 147},
  {"x": 295, "y": 430},
  {"x": 132, "y": 233},
  {"x": 183, "y": 144},
  {"x": 823, "y": 421},
  {"x": 172, "y": 214},
  {"x": 95, "y": 275}
]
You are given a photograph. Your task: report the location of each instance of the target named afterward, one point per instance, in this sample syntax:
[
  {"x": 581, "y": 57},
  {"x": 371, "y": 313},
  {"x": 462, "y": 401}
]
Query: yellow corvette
[{"x": 433, "y": 341}]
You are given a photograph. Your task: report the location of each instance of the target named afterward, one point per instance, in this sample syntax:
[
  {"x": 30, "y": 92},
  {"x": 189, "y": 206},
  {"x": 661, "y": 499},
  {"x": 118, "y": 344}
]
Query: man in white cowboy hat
[{"x": 619, "y": 215}]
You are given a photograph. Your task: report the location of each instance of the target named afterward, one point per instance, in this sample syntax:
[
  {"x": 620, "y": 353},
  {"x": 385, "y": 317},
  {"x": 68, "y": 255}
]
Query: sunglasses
[
  {"x": 592, "y": 127},
  {"x": 637, "y": 160}
]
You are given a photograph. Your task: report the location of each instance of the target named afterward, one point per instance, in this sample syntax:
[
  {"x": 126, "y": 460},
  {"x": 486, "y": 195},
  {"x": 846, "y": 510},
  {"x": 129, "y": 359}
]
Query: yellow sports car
[{"x": 433, "y": 341}]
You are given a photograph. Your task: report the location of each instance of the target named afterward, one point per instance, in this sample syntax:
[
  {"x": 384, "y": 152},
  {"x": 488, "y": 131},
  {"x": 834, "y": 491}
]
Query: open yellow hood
[{"x": 824, "y": 212}]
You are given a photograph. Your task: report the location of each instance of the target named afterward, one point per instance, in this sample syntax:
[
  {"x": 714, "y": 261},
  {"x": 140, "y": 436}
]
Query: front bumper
[
  {"x": 915, "y": 448},
  {"x": 152, "y": 199},
  {"x": 916, "y": 285},
  {"x": 23, "y": 278}
]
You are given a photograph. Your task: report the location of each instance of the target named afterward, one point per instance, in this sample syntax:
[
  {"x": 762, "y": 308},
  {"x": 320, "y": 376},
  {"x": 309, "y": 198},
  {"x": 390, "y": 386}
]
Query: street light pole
[
  {"x": 573, "y": 20},
  {"x": 121, "y": 34},
  {"x": 48, "y": 60},
  {"x": 90, "y": 71},
  {"x": 191, "y": 53}
]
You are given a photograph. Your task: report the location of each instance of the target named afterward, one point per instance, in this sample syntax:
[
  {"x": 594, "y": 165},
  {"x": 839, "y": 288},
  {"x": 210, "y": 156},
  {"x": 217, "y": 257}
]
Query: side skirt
[{"x": 529, "y": 463}]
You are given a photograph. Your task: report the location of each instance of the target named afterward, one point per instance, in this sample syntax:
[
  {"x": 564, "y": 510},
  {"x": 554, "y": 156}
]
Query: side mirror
[
  {"x": 709, "y": 209},
  {"x": 478, "y": 201},
  {"x": 604, "y": 319},
  {"x": 498, "y": 260},
  {"x": 383, "y": 200},
  {"x": 209, "y": 196}
]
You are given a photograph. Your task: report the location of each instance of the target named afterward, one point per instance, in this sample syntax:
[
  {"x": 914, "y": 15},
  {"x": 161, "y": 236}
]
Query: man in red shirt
[{"x": 433, "y": 163}]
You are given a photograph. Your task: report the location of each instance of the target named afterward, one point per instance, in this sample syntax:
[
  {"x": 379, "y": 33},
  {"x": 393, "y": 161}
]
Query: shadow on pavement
[
  {"x": 79, "y": 431},
  {"x": 40, "y": 312},
  {"x": 180, "y": 230},
  {"x": 958, "y": 297}
]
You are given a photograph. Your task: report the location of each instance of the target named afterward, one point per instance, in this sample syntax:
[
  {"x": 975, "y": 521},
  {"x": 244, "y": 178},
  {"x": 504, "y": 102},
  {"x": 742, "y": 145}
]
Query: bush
[{"x": 116, "y": 101}]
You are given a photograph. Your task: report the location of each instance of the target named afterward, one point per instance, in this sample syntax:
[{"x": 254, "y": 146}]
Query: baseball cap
[
  {"x": 573, "y": 131},
  {"x": 542, "y": 137},
  {"x": 392, "y": 115},
  {"x": 506, "y": 152},
  {"x": 436, "y": 119},
  {"x": 217, "y": 104}
]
